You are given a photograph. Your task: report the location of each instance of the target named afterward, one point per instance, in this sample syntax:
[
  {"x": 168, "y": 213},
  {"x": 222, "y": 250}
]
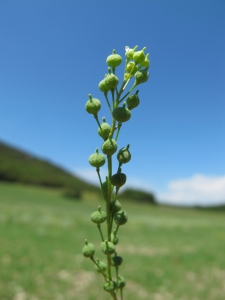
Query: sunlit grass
[{"x": 169, "y": 253}]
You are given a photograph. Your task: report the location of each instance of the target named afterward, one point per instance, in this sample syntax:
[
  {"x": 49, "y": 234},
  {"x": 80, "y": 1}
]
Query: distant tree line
[{"x": 20, "y": 167}]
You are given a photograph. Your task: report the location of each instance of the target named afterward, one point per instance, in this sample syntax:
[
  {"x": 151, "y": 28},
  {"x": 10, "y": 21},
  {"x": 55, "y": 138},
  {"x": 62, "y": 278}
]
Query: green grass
[{"x": 169, "y": 253}]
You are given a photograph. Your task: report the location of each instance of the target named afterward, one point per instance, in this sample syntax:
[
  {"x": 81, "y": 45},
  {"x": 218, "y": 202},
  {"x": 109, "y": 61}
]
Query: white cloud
[{"x": 197, "y": 190}]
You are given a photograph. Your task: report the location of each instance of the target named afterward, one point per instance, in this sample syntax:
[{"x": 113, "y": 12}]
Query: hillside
[{"x": 19, "y": 166}]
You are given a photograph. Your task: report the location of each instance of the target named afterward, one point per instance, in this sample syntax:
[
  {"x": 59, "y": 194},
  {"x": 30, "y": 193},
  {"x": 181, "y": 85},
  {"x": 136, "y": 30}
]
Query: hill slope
[{"x": 19, "y": 166}]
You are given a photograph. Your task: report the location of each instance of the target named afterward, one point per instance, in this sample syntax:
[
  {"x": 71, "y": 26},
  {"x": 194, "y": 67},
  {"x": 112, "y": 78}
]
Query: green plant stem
[
  {"x": 108, "y": 200},
  {"x": 125, "y": 67},
  {"x": 113, "y": 100},
  {"x": 107, "y": 100},
  {"x": 109, "y": 158},
  {"x": 120, "y": 91},
  {"x": 117, "y": 276},
  {"x": 92, "y": 258},
  {"x": 113, "y": 296},
  {"x": 99, "y": 228},
  {"x": 113, "y": 127},
  {"x": 99, "y": 177},
  {"x": 116, "y": 104},
  {"x": 109, "y": 266},
  {"x": 130, "y": 90},
  {"x": 118, "y": 131},
  {"x": 121, "y": 294},
  {"x": 96, "y": 118},
  {"x": 117, "y": 228},
  {"x": 119, "y": 166},
  {"x": 128, "y": 80},
  {"x": 115, "y": 196},
  {"x": 124, "y": 97}
]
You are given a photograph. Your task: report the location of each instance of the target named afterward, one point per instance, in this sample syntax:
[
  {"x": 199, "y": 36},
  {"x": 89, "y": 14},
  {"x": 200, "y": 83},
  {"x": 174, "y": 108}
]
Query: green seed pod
[
  {"x": 114, "y": 238},
  {"x": 121, "y": 114},
  {"x": 124, "y": 155},
  {"x": 107, "y": 247},
  {"x": 120, "y": 217},
  {"x": 111, "y": 81},
  {"x": 115, "y": 206},
  {"x": 141, "y": 76},
  {"x": 130, "y": 52},
  {"x": 139, "y": 56},
  {"x": 118, "y": 179},
  {"x": 105, "y": 129},
  {"x": 109, "y": 147},
  {"x": 93, "y": 105},
  {"x": 101, "y": 266},
  {"x": 146, "y": 62},
  {"x": 121, "y": 282},
  {"x": 88, "y": 250},
  {"x": 114, "y": 60},
  {"x": 98, "y": 216},
  {"x": 117, "y": 261},
  {"x": 133, "y": 101},
  {"x": 109, "y": 286},
  {"x": 96, "y": 159},
  {"x": 132, "y": 68},
  {"x": 105, "y": 188},
  {"x": 102, "y": 86}
]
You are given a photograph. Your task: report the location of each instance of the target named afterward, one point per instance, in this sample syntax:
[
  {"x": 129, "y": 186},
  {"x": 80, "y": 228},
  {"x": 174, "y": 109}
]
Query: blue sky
[{"x": 53, "y": 55}]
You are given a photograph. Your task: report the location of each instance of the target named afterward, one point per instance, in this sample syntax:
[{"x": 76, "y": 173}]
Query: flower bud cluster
[{"x": 137, "y": 64}]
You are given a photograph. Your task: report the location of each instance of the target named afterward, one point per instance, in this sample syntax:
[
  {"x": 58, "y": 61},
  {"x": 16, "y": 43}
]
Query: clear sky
[{"x": 53, "y": 55}]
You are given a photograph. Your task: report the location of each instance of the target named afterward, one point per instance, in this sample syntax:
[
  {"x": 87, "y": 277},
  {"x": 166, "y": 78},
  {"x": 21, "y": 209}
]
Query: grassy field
[{"x": 169, "y": 253}]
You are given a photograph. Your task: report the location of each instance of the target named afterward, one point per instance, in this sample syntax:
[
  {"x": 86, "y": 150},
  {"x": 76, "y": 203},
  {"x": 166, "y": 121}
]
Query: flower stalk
[{"x": 136, "y": 67}]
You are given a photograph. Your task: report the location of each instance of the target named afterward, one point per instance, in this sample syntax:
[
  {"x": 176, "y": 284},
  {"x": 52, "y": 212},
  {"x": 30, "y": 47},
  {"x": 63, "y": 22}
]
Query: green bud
[
  {"x": 133, "y": 101},
  {"x": 139, "y": 56},
  {"x": 115, "y": 206},
  {"x": 105, "y": 129},
  {"x": 114, "y": 60},
  {"x": 127, "y": 76},
  {"x": 132, "y": 68},
  {"x": 98, "y": 216},
  {"x": 107, "y": 247},
  {"x": 96, "y": 159},
  {"x": 117, "y": 261},
  {"x": 109, "y": 286},
  {"x": 121, "y": 114},
  {"x": 121, "y": 282},
  {"x": 102, "y": 86},
  {"x": 101, "y": 266},
  {"x": 120, "y": 217},
  {"x": 93, "y": 105},
  {"x": 109, "y": 147},
  {"x": 105, "y": 188},
  {"x": 130, "y": 52},
  {"x": 141, "y": 76},
  {"x": 114, "y": 238},
  {"x": 111, "y": 81},
  {"x": 124, "y": 155},
  {"x": 118, "y": 179},
  {"x": 146, "y": 62},
  {"x": 88, "y": 250}
]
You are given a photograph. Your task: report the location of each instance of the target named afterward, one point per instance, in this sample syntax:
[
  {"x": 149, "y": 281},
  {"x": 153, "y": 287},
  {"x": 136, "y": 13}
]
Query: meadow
[{"x": 169, "y": 253}]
